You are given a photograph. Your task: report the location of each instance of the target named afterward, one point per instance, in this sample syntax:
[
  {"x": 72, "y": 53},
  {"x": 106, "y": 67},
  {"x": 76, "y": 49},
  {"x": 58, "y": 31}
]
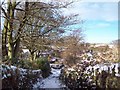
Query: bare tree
[
  {"x": 17, "y": 15},
  {"x": 72, "y": 45}
]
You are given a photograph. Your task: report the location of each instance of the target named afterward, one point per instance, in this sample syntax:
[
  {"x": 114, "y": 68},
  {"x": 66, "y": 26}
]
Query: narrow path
[{"x": 51, "y": 82}]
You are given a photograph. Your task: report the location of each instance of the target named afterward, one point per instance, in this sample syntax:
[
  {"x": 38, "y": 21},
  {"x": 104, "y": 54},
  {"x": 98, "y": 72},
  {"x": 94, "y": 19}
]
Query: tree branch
[{"x": 4, "y": 11}]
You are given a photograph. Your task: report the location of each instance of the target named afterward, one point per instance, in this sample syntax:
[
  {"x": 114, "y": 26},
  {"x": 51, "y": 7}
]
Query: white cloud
[{"x": 94, "y": 11}]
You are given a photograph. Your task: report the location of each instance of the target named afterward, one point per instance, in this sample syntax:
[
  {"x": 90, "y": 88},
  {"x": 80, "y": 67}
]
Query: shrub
[
  {"x": 41, "y": 63},
  {"x": 44, "y": 65},
  {"x": 26, "y": 64},
  {"x": 14, "y": 78}
]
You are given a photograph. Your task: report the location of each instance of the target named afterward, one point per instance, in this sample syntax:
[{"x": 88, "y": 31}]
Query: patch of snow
[
  {"x": 4, "y": 76},
  {"x": 71, "y": 69},
  {"x": 53, "y": 59},
  {"x": 13, "y": 67},
  {"x": 55, "y": 72},
  {"x": 89, "y": 54},
  {"x": 118, "y": 75},
  {"x": 8, "y": 75},
  {"x": 52, "y": 81},
  {"x": 25, "y": 50},
  {"x": 105, "y": 67},
  {"x": 34, "y": 71}
]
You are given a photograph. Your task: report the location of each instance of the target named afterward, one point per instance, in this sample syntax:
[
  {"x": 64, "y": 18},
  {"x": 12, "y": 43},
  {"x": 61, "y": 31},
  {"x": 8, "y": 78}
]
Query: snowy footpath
[{"x": 51, "y": 82}]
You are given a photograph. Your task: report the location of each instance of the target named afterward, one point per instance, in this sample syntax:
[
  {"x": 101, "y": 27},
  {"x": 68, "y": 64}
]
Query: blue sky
[
  {"x": 99, "y": 31},
  {"x": 101, "y": 20}
]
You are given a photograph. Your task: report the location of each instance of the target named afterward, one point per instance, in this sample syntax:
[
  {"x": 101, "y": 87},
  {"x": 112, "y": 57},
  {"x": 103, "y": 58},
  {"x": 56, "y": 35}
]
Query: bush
[
  {"x": 41, "y": 63},
  {"x": 14, "y": 78},
  {"x": 90, "y": 79},
  {"x": 44, "y": 65},
  {"x": 71, "y": 60},
  {"x": 26, "y": 64}
]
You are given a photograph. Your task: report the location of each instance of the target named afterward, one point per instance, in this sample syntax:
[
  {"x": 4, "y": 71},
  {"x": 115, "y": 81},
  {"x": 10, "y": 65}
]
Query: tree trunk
[
  {"x": 31, "y": 55},
  {"x": 17, "y": 42},
  {"x": 16, "y": 48},
  {"x": 4, "y": 40},
  {"x": 11, "y": 6},
  {"x": 10, "y": 44},
  {"x": 9, "y": 47}
]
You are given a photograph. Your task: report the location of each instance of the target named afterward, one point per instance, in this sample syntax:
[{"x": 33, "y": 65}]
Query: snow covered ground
[
  {"x": 42, "y": 83},
  {"x": 51, "y": 82}
]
